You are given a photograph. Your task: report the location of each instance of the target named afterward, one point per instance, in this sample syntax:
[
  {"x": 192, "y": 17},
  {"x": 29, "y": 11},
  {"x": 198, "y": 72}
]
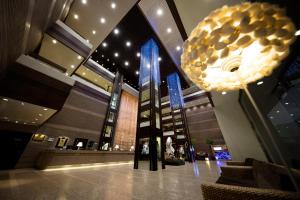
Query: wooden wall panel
[{"x": 127, "y": 121}]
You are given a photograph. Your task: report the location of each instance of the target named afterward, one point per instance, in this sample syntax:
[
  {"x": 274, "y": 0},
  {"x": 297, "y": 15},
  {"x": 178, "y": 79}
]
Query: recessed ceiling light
[
  {"x": 96, "y": 50},
  {"x": 126, "y": 63},
  {"x": 104, "y": 44},
  {"x": 116, "y": 31},
  {"x": 79, "y": 57},
  {"x": 102, "y": 56},
  {"x": 72, "y": 66},
  {"x": 138, "y": 54},
  {"x": 107, "y": 59},
  {"x": 297, "y": 33},
  {"x": 67, "y": 74},
  {"x": 94, "y": 32},
  {"x": 102, "y": 20},
  {"x": 36, "y": 119},
  {"x": 88, "y": 41},
  {"x": 83, "y": 73},
  {"x": 291, "y": 114},
  {"x": 22, "y": 103},
  {"x": 128, "y": 44},
  {"x": 97, "y": 61},
  {"x": 113, "y": 5},
  {"x": 286, "y": 103},
  {"x": 137, "y": 72},
  {"x": 45, "y": 109},
  {"x": 223, "y": 93},
  {"x": 159, "y": 12},
  {"x": 277, "y": 111},
  {"x": 4, "y": 99},
  {"x": 178, "y": 48},
  {"x": 113, "y": 64},
  {"x": 116, "y": 54},
  {"x": 169, "y": 30},
  {"x": 54, "y": 41},
  {"x": 17, "y": 122},
  {"x": 40, "y": 114},
  {"x": 159, "y": 59},
  {"x": 83, "y": 1},
  {"x": 76, "y": 16},
  {"x": 260, "y": 82}
]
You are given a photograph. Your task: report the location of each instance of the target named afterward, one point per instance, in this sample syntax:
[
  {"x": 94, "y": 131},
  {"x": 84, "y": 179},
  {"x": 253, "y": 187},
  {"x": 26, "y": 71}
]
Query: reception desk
[{"x": 57, "y": 158}]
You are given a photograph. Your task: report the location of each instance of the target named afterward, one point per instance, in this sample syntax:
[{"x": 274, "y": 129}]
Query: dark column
[
  {"x": 181, "y": 135},
  {"x": 149, "y": 144},
  {"x": 109, "y": 126}
]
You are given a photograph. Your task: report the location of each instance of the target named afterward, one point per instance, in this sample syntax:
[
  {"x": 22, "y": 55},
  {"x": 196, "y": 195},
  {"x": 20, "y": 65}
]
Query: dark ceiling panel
[{"x": 133, "y": 28}]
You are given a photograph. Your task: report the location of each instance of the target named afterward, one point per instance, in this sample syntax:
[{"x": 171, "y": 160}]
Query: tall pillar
[
  {"x": 149, "y": 145},
  {"x": 181, "y": 135},
  {"x": 109, "y": 126}
]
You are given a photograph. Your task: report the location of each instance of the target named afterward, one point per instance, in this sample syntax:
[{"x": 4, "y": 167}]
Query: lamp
[
  {"x": 79, "y": 145},
  {"x": 237, "y": 45}
]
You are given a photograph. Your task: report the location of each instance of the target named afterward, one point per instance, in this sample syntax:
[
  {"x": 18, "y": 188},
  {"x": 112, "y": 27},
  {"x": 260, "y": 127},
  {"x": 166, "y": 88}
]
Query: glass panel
[
  {"x": 157, "y": 119},
  {"x": 145, "y": 115},
  {"x": 108, "y": 131},
  {"x": 145, "y": 95},
  {"x": 113, "y": 104},
  {"x": 111, "y": 117}
]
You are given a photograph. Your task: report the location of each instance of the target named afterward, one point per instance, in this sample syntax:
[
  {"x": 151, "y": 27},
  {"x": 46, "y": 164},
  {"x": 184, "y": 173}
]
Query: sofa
[{"x": 252, "y": 179}]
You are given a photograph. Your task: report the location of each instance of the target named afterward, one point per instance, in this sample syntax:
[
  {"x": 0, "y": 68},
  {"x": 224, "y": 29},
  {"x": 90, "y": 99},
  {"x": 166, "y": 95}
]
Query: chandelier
[{"x": 237, "y": 45}]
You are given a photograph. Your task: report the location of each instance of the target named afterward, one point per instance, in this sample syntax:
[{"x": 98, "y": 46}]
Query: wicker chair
[{"x": 228, "y": 192}]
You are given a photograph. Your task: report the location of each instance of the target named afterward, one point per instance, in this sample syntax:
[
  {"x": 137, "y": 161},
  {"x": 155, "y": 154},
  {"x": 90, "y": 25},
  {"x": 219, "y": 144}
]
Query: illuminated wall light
[
  {"x": 260, "y": 82},
  {"x": 102, "y": 20},
  {"x": 159, "y": 12},
  {"x": 83, "y": 1},
  {"x": 72, "y": 66},
  {"x": 54, "y": 41},
  {"x": 94, "y": 32},
  {"x": 113, "y": 5},
  {"x": 76, "y": 16},
  {"x": 178, "y": 48},
  {"x": 169, "y": 30},
  {"x": 116, "y": 54}
]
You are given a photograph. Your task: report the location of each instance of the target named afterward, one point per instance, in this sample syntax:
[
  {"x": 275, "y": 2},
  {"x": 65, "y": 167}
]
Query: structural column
[
  {"x": 181, "y": 135},
  {"x": 109, "y": 126},
  {"x": 149, "y": 145}
]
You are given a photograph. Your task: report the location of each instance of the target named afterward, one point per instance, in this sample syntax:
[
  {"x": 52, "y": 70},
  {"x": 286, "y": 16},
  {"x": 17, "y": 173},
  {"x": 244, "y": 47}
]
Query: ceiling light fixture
[
  {"x": 126, "y": 63},
  {"x": 4, "y": 99},
  {"x": 116, "y": 31},
  {"x": 169, "y": 30},
  {"x": 128, "y": 44},
  {"x": 137, "y": 72},
  {"x": 227, "y": 59},
  {"x": 286, "y": 103},
  {"x": 83, "y": 73},
  {"x": 45, "y": 109},
  {"x": 83, "y": 1},
  {"x": 223, "y": 93},
  {"x": 116, "y": 54},
  {"x": 259, "y": 82},
  {"x": 138, "y": 54},
  {"x": 88, "y": 41},
  {"x": 22, "y": 103},
  {"x": 102, "y": 20},
  {"x": 94, "y": 32},
  {"x": 113, "y": 5},
  {"x": 76, "y": 16},
  {"x": 104, "y": 44},
  {"x": 72, "y": 66},
  {"x": 102, "y": 56},
  {"x": 79, "y": 57},
  {"x": 54, "y": 41},
  {"x": 159, "y": 59},
  {"x": 159, "y": 12},
  {"x": 178, "y": 48}
]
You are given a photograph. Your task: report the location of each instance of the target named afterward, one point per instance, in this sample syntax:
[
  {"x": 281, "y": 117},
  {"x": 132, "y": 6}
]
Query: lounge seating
[{"x": 252, "y": 180}]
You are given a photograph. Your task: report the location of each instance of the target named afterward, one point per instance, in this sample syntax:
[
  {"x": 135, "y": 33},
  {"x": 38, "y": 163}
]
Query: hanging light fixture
[{"x": 237, "y": 45}]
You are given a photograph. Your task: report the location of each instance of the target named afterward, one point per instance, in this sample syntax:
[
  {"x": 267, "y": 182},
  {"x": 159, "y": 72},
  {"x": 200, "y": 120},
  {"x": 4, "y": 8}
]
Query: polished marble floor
[{"x": 109, "y": 182}]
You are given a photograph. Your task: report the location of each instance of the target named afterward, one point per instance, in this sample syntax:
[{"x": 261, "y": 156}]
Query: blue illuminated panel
[
  {"x": 149, "y": 61},
  {"x": 175, "y": 92}
]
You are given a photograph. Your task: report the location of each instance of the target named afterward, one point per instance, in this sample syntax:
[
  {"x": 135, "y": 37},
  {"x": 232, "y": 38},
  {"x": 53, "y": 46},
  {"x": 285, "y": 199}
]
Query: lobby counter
[{"x": 57, "y": 158}]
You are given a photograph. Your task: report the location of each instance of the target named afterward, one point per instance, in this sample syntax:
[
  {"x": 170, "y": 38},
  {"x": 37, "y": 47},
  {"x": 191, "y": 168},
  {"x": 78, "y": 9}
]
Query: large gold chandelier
[{"x": 237, "y": 45}]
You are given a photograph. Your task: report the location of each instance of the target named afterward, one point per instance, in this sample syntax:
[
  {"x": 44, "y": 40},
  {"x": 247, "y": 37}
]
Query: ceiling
[
  {"x": 114, "y": 53},
  {"x": 23, "y": 113}
]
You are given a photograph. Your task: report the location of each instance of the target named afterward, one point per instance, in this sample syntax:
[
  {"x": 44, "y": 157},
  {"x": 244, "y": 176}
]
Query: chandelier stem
[{"x": 272, "y": 139}]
